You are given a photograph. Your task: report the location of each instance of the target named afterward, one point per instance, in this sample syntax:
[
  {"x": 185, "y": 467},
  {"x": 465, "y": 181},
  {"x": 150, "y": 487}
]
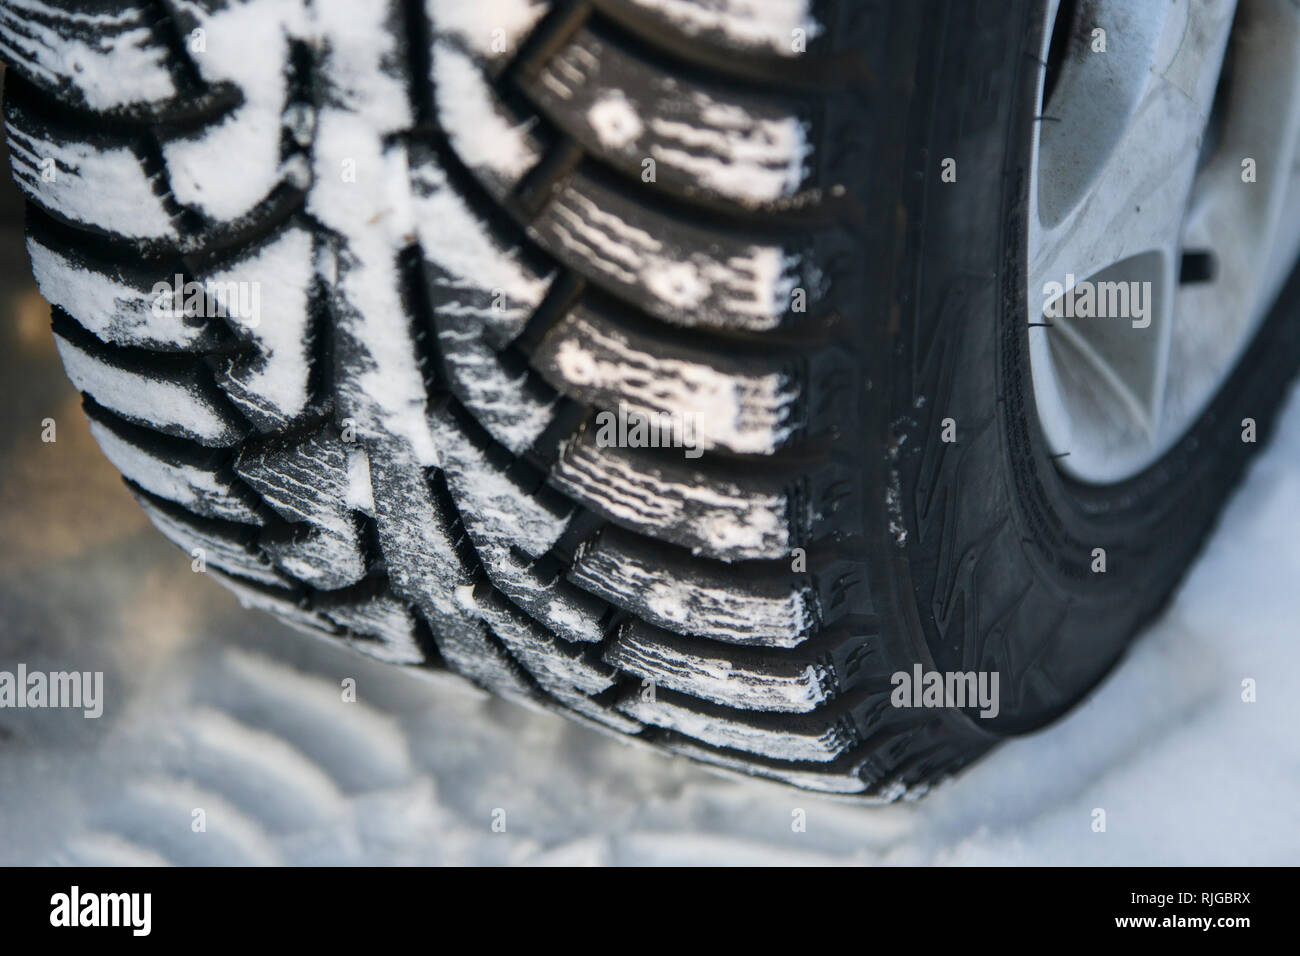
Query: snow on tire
[{"x": 461, "y": 263}]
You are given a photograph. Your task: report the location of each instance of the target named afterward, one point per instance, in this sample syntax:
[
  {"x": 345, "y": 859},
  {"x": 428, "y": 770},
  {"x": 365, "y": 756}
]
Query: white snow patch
[
  {"x": 484, "y": 137},
  {"x": 282, "y": 272},
  {"x": 730, "y": 521},
  {"x": 459, "y": 243},
  {"x": 762, "y": 23},
  {"x": 361, "y": 189},
  {"x": 360, "y": 495},
  {"x": 565, "y": 617},
  {"x": 757, "y": 160},
  {"x": 182, "y": 484},
  {"x": 667, "y": 601},
  {"x": 140, "y": 398},
  {"x": 756, "y": 285},
  {"x": 745, "y": 414},
  {"x": 491, "y": 28},
  {"x": 244, "y": 43},
  {"x": 231, "y": 166},
  {"x": 614, "y": 120},
  {"x": 112, "y": 311},
  {"x": 103, "y": 187},
  {"x": 375, "y": 213},
  {"x": 465, "y": 597},
  {"x": 361, "y": 45},
  {"x": 125, "y": 65}
]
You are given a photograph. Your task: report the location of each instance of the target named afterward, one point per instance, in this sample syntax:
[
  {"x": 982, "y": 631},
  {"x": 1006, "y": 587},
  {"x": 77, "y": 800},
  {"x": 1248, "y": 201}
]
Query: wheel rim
[{"x": 1153, "y": 253}]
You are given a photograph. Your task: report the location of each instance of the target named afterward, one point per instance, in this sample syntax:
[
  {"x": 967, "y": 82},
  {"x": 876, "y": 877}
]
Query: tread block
[
  {"x": 103, "y": 60},
  {"x": 758, "y": 605},
  {"x": 729, "y": 518},
  {"x": 494, "y": 507},
  {"x": 268, "y": 295},
  {"x": 227, "y": 547},
  {"x": 729, "y": 676},
  {"x": 309, "y": 483},
  {"x": 416, "y": 532},
  {"x": 117, "y": 304},
  {"x": 423, "y": 555},
  {"x": 476, "y": 269},
  {"x": 197, "y": 479},
  {"x": 510, "y": 529},
  {"x": 745, "y": 403},
  {"x": 804, "y": 777},
  {"x": 725, "y": 143},
  {"x": 567, "y": 611},
  {"x": 286, "y": 605},
  {"x": 318, "y": 556},
  {"x": 474, "y": 652},
  {"x": 513, "y": 405},
  {"x": 304, "y": 481},
  {"x": 171, "y": 397},
  {"x": 481, "y": 291},
  {"x": 379, "y": 626},
  {"x": 808, "y": 740},
  {"x": 544, "y": 657},
  {"x": 97, "y": 185},
  {"x": 495, "y": 143},
  {"x": 562, "y": 672},
  {"x": 250, "y": 167},
  {"x": 680, "y": 270}
]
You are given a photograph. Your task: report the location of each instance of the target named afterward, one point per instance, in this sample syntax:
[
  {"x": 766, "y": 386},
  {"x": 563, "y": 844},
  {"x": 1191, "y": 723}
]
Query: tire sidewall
[{"x": 1002, "y": 549}]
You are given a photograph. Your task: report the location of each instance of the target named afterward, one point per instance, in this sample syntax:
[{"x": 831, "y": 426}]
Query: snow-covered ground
[{"x": 212, "y": 708}]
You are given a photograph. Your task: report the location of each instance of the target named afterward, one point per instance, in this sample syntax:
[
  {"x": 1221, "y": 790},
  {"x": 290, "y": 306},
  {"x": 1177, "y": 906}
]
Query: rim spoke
[
  {"x": 1125, "y": 347},
  {"x": 1248, "y": 229}
]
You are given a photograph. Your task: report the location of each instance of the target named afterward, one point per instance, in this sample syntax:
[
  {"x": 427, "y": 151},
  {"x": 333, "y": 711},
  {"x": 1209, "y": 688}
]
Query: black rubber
[
  {"x": 1004, "y": 576},
  {"x": 819, "y": 319}
]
